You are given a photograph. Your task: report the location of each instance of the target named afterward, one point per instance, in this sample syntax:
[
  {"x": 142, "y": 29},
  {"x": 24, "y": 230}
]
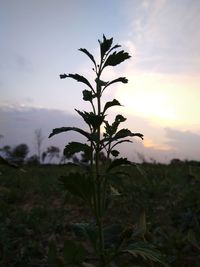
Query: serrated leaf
[
  {"x": 88, "y": 54},
  {"x": 105, "y": 45},
  {"x": 87, "y": 95},
  {"x": 67, "y": 129},
  {"x": 125, "y": 133},
  {"x": 146, "y": 251},
  {"x": 91, "y": 119},
  {"x": 116, "y": 58},
  {"x": 78, "y": 185},
  {"x": 111, "y": 129},
  {"x": 120, "y": 79},
  {"x": 74, "y": 253},
  {"x": 117, "y": 162},
  {"x": 76, "y": 147},
  {"x": 77, "y": 77},
  {"x": 112, "y": 103}
]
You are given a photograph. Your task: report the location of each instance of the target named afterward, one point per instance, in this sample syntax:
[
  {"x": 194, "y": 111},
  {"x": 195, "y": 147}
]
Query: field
[{"x": 35, "y": 209}]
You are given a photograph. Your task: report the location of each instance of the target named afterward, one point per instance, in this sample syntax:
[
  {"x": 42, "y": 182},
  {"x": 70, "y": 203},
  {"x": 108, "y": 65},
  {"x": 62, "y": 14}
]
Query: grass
[{"x": 35, "y": 209}]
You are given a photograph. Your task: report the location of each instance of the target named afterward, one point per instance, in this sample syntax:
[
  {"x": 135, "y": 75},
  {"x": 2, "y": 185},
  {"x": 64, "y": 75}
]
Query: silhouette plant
[{"x": 92, "y": 184}]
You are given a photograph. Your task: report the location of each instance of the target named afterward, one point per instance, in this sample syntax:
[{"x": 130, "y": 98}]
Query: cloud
[
  {"x": 162, "y": 144},
  {"x": 19, "y": 123},
  {"x": 165, "y": 35},
  {"x": 185, "y": 143}
]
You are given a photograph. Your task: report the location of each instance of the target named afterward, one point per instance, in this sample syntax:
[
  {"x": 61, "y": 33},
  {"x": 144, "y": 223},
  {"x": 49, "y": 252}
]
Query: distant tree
[
  {"x": 141, "y": 157},
  {"x": 52, "y": 152},
  {"x": 33, "y": 160},
  {"x": 44, "y": 155},
  {"x": 7, "y": 152},
  {"x": 39, "y": 138},
  {"x": 176, "y": 161},
  {"x": 1, "y": 136},
  {"x": 19, "y": 153},
  {"x": 75, "y": 159}
]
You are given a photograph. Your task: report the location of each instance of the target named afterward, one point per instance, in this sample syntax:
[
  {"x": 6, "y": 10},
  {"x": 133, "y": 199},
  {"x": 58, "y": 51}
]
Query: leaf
[
  {"x": 119, "y": 118},
  {"x": 114, "y": 153},
  {"x": 88, "y": 54},
  {"x": 112, "y": 103},
  {"x": 114, "y": 191},
  {"x": 67, "y": 129},
  {"x": 141, "y": 225},
  {"x": 87, "y": 95},
  {"x": 63, "y": 76},
  {"x": 125, "y": 133},
  {"x": 74, "y": 253},
  {"x": 116, "y": 58},
  {"x": 100, "y": 82},
  {"x": 117, "y": 162},
  {"x": 111, "y": 129},
  {"x": 76, "y": 77},
  {"x": 91, "y": 119},
  {"x": 78, "y": 185},
  {"x": 146, "y": 251},
  {"x": 105, "y": 45},
  {"x": 120, "y": 79},
  {"x": 76, "y": 147},
  {"x": 114, "y": 47}
]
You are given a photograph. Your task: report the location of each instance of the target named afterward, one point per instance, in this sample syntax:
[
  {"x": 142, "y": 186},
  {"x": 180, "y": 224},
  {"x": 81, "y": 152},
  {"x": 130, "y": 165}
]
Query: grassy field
[{"x": 35, "y": 209}]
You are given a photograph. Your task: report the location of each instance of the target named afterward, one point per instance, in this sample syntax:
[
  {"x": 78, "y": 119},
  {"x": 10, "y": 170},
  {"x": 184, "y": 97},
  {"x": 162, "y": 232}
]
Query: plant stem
[{"x": 98, "y": 180}]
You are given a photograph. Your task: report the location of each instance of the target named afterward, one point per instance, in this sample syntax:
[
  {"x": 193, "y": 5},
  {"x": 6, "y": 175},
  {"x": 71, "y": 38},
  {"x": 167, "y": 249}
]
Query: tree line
[{"x": 19, "y": 154}]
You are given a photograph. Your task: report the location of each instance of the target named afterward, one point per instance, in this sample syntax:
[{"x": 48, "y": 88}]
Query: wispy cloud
[{"x": 166, "y": 37}]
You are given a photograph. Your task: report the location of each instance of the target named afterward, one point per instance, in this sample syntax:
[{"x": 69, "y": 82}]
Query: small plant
[{"x": 92, "y": 184}]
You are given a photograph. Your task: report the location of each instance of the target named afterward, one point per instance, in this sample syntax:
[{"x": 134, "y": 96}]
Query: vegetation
[
  {"x": 93, "y": 183},
  {"x": 35, "y": 209}
]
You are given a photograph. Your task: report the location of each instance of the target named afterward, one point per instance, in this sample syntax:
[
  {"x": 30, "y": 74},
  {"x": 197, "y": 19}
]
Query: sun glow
[
  {"x": 148, "y": 103},
  {"x": 151, "y": 105},
  {"x": 163, "y": 99},
  {"x": 149, "y": 143}
]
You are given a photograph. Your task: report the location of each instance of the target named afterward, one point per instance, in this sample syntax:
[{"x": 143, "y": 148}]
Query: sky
[{"x": 40, "y": 40}]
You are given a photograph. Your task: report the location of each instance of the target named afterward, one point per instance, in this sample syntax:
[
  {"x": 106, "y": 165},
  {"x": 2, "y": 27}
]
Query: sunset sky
[{"x": 40, "y": 40}]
